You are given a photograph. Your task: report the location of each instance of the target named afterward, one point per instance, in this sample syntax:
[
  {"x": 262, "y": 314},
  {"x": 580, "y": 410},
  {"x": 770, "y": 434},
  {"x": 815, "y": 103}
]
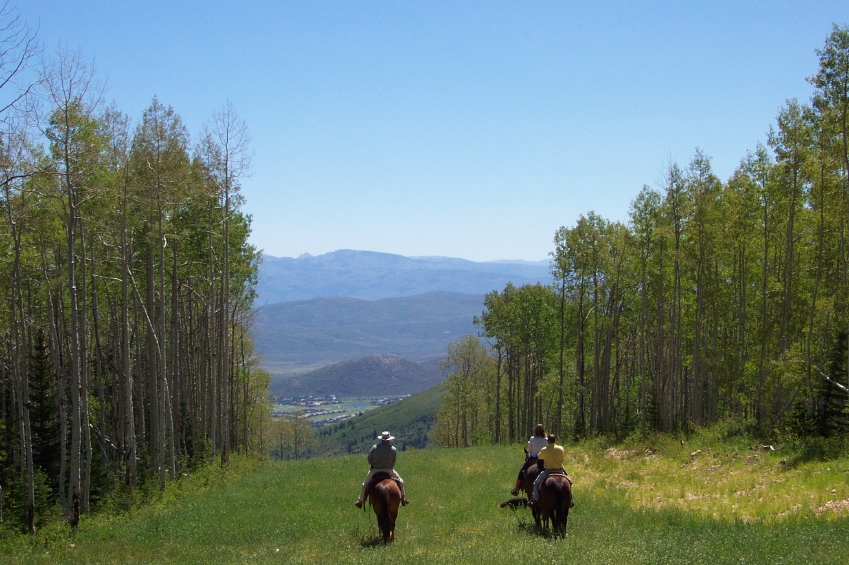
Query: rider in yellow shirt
[{"x": 552, "y": 458}]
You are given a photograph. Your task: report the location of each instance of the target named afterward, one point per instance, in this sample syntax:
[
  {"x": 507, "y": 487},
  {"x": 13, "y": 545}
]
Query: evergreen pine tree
[
  {"x": 832, "y": 400},
  {"x": 44, "y": 413}
]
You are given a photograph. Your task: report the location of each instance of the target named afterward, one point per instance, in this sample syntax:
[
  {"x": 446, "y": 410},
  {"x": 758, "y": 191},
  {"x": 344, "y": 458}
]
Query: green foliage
[
  {"x": 291, "y": 437},
  {"x": 467, "y": 413},
  {"x": 44, "y": 413},
  {"x": 127, "y": 286},
  {"x": 521, "y": 324},
  {"x": 719, "y": 300},
  {"x": 15, "y": 504}
]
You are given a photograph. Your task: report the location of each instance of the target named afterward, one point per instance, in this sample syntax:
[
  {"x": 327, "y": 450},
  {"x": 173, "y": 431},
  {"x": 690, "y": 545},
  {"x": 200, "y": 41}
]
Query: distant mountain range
[
  {"x": 375, "y": 375},
  {"x": 318, "y": 311},
  {"x": 295, "y": 337},
  {"x": 370, "y": 275}
]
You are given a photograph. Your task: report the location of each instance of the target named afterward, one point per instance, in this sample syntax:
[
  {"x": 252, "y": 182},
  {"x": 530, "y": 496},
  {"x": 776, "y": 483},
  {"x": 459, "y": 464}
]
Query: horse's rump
[
  {"x": 378, "y": 478},
  {"x": 557, "y": 480},
  {"x": 555, "y": 501}
]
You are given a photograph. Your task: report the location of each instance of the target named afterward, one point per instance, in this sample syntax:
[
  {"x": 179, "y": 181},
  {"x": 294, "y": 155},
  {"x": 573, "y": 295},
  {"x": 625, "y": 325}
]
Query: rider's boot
[
  {"x": 362, "y": 497},
  {"x": 515, "y": 491}
]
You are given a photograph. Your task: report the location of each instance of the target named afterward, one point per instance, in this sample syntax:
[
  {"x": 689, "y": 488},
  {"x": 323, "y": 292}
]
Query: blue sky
[{"x": 464, "y": 129}]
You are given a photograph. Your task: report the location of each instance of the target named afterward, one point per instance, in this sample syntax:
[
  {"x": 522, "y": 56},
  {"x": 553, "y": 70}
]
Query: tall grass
[{"x": 652, "y": 502}]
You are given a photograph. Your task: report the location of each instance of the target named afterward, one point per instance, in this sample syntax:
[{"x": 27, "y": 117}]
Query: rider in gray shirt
[
  {"x": 382, "y": 459},
  {"x": 382, "y": 455}
]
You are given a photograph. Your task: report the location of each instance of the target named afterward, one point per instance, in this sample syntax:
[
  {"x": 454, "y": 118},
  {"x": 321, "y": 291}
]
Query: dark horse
[
  {"x": 555, "y": 499},
  {"x": 385, "y": 498}
]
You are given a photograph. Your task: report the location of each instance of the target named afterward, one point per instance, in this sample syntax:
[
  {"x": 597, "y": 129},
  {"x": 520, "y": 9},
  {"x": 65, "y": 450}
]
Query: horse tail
[
  {"x": 380, "y": 505},
  {"x": 558, "y": 505},
  {"x": 563, "y": 498},
  {"x": 386, "y": 508}
]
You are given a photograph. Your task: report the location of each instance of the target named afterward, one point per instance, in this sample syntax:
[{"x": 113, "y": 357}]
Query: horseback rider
[
  {"x": 551, "y": 457},
  {"x": 535, "y": 444},
  {"x": 382, "y": 460}
]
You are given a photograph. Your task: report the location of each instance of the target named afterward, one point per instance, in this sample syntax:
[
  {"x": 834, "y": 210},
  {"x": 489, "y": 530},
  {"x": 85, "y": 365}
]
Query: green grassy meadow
[{"x": 654, "y": 503}]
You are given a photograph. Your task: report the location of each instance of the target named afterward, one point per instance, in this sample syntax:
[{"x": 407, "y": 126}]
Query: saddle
[{"x": 559, "y": 472}]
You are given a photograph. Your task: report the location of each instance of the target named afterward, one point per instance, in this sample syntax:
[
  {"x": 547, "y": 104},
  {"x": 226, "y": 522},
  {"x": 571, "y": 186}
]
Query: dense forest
[
  {"x": 716, "y": 300},
  {"x": 126, "y": 280}
]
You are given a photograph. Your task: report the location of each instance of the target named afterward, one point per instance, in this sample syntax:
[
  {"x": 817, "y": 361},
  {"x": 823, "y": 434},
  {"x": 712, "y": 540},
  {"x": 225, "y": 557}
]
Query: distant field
[{"x": 645, "y": 503}]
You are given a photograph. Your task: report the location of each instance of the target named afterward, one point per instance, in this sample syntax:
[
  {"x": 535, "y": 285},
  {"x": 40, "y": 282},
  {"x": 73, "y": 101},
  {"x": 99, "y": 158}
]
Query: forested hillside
[
  {"x": 127, "y": 284},
  {"x": 717, "y": 299},
  {"x": 410, "y": 420}
]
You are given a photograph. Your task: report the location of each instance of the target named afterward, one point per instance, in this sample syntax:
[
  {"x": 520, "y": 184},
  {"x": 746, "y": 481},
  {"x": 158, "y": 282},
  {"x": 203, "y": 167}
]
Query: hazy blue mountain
[
  {"x": 375, "y": 375},
  {"x": 297, "y": 336},
  {"x": 372, "y": 276}
]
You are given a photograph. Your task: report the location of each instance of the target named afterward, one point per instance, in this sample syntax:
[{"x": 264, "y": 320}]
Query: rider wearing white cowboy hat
[{"x": 382, "y": 460}]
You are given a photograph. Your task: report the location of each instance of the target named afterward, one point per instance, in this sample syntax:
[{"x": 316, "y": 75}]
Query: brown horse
[
  {"x": 385, "y": 498},
  {"x": 555, "y": 499}
]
